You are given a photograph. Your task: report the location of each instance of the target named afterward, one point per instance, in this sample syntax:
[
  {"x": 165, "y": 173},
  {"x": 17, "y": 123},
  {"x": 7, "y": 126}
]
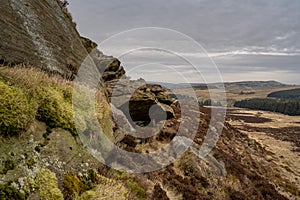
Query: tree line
[
  {"x": 284, "y": 106},
  {"x": 286, "y": 94}
]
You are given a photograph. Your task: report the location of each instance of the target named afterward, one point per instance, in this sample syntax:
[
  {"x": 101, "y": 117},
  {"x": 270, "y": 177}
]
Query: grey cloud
[{"x": 259, "y": 27}]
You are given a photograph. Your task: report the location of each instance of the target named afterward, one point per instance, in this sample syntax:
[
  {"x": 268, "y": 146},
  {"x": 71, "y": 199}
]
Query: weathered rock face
[
  {"x": 40, "y": 33},
  {"x": 135, "y": 98},
  {"x": 140, "y": 101},
  {"x": 145, "y": 104}
]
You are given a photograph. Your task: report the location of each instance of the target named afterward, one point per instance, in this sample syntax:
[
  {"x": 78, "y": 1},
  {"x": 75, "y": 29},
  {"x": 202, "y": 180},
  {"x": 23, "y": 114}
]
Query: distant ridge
[
  {"x": 240, "y": 85},
  {"x": 254, "y": 85}
]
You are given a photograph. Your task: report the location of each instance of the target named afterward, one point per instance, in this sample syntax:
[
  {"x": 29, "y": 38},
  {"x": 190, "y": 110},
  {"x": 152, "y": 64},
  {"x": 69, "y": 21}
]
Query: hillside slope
[{"x": 43, "y": 157}]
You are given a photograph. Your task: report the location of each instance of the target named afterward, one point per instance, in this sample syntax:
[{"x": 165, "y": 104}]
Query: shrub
[
  {"x": 30, "y": 163},
  {"x": 8, "y": 192},
  {"x": 88, "y": 195},
  {"x": 16, "y": 112},
  {"x": 103, "y": 188},
  {"x": 38, "y": 148},
  {"x": 55, "y": 111},
  {"x": 72, "y": 185},
  {"x": 47, "y": 185},
  {"x": 8, "y": 165},
  {"x": 135, "y": 188}
]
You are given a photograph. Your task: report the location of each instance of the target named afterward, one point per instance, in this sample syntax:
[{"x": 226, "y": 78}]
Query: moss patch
[
  {"x": 47, "y": 185},
  {"x": 137, "y": 191},
  {"x": 16, "y": 111},
  {"x": 72, "y": 185},
  {"x": 106, "y": 189},
  {"x": 104, "y": 114},
  {"x": 8, "y": 192},
  {"x": 55, "y": 110},
  {"x": 35, "y": 94},
  {"x": 8, "y": 165},
  {"x": 46, "y": 98}
]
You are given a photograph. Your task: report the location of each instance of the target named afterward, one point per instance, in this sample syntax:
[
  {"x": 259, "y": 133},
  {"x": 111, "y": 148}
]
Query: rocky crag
[{"x": 42, "y": 156}]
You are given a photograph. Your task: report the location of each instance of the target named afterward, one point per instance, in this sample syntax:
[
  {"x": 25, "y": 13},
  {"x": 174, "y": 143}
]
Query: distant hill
[
  {"x": 197, "y": 86},
  {"x": 254, "y": 85},
  {"x": 242, "y": 85},
  {"x": 286, "y": 94}
]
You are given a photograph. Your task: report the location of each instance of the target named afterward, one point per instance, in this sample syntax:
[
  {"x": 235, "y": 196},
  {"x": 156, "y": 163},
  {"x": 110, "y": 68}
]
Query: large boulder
[
  {"x": 145, "y": 105},
  {"x": 140, "y": 102}
]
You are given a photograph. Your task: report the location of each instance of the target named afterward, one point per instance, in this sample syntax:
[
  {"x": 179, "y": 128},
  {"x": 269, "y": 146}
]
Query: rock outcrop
[
  {"x": 109, "y": 67},
  {"x": 140, "y": 101},
  {"x": 146, "y": 104},
  {"x": 41, "y": 34}
]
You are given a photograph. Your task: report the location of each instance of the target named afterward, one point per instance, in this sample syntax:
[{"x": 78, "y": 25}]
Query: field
[
  {"x": 235, "y": 94},
  {"x": 277, "y": 133}
]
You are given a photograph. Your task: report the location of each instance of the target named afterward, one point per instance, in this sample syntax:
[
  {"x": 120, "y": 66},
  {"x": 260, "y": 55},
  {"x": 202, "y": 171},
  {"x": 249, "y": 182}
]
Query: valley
[{"x": 279, "y": 134}]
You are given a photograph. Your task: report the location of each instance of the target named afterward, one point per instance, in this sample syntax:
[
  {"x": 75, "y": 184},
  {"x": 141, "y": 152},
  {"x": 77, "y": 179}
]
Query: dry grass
[{"x": 29, "y": 76}]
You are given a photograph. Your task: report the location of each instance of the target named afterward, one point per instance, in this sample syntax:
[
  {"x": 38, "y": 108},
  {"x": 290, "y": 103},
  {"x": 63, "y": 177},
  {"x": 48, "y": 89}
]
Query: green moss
[
  {"x": 29, "y": 185},
  {"x": 38, "y": 148},
  {"x": 55, "y": 111},
  {"x": 30, "y": 163},
  {"x": 8, "y": 192},
  {"x": 47, "y": 185},
  {"x": 136, "y": 189},
  {"x": 104, "y": 115},
  {"x": 51, "y": 104},
  {"x": 72, "y": 185},
  {"x": 48, "y": 99},
  {"x": 67, "y": 93},
  {"x": 16, "y": 112},
  {"x": 48, "y": 130},
  {"x": 88, "y": 195},
  {"x": 105, "y": 189},
  {"x": 92, "y": 176},
  {"x": 90, "y": 179},
  {"x": 87, "y": 109}
]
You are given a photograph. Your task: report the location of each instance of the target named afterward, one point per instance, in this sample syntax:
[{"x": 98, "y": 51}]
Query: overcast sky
[{"x": 247, "y": 39}]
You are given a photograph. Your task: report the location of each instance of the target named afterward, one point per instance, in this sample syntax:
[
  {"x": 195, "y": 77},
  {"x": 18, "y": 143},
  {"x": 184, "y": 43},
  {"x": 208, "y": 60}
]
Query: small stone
[
  {"x": 269, "y": 158},
  {"x": 139, "y": 141}
]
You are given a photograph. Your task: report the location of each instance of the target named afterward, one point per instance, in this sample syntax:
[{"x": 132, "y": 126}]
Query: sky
[{"x": 196, "y": 40}]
